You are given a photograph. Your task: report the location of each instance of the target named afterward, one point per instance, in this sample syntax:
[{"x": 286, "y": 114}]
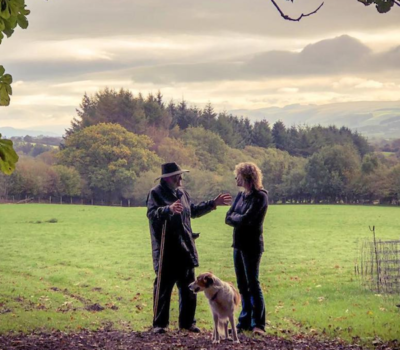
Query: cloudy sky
[{"x": 236, "y": 54}]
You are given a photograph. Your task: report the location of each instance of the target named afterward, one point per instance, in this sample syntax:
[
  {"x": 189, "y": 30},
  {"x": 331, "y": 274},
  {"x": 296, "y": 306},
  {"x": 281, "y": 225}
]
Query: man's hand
[
  {"x": 176, "y": 207},
  {"x": 223, "y": 199}
]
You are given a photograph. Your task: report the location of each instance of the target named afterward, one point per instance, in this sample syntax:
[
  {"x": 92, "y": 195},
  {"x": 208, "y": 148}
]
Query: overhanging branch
[{"x": 288, "y": 18}]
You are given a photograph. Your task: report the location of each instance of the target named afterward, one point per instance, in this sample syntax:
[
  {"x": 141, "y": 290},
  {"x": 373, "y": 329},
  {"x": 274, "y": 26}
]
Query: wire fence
[
  {"x": 67, "y": 200},
  {"x": 378, "y": 266}
]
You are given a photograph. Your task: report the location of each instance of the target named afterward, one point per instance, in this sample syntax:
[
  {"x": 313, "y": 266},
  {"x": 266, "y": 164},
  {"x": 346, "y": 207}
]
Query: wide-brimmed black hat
[{"x": 171, "y": 169}]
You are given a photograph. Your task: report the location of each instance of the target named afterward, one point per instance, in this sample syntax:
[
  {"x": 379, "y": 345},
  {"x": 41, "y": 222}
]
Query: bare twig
[{"x": 294, "y": 19}]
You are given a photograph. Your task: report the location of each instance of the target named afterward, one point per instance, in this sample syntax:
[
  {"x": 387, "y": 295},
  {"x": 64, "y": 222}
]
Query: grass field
[{"x": 60, "y": 264}]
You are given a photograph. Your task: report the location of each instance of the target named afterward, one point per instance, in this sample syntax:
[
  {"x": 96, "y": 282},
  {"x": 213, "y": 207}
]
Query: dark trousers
[
  {"x": 253, "y": 307},
  {"x": 182, "y": 276}
]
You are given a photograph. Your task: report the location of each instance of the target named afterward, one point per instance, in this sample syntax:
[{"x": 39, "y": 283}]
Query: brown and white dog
[{"x": 223, "y": 299}]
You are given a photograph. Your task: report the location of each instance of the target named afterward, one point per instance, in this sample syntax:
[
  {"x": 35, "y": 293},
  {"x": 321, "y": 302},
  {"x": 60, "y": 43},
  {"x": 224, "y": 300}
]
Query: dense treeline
[
  {"x": 152, "y": 117},
  {"x": 115, "y": 146}
]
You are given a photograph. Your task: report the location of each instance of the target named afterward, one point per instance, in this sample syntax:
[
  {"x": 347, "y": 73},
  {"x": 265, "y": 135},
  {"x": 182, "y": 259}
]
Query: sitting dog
[{"x": 223, "y": 299}]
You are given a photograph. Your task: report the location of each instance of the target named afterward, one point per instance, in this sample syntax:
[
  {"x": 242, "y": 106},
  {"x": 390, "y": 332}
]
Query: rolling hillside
[{"x": 372, "y": 119}]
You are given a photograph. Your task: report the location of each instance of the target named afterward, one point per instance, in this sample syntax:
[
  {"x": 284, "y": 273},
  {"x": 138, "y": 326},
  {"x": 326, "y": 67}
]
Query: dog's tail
[
  {"x": 236, "y": 295},
  {"x": 236, "y": 298}
]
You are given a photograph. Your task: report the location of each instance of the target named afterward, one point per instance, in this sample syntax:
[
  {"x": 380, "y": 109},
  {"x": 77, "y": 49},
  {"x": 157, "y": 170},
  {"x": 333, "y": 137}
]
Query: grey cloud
[
  {"x": 334, "y": 54},
  {"x": 99, "y": 18},
  {"x": 186, "y": 72},
  {"x": 390, "y": 59},
  {"x": 271, "y": 64},
  {"x": 40, "y": 71},
  {"x": 66, "y": 19},
  {"x": 61, "y": 70},
  {"x": 328, "y": 57}
]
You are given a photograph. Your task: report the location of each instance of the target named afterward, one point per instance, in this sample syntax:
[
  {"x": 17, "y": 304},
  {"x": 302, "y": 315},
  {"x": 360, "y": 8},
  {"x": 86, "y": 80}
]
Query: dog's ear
[{"x": 208, "y": 280}]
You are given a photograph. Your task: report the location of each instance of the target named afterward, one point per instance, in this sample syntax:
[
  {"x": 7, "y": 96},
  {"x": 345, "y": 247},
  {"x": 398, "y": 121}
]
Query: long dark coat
[{"x": 179, "y": 243}]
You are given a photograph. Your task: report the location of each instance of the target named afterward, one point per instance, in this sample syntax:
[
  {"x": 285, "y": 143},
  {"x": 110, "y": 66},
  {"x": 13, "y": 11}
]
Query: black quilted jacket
[{"x": 246, "y": 215}]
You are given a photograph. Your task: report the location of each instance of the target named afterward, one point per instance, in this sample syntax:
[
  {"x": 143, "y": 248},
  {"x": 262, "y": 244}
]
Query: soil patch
[{"x": 112, "y": 339}]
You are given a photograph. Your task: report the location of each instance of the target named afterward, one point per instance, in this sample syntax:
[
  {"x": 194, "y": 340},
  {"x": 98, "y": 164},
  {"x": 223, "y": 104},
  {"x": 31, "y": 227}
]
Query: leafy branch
[
  {"x": 8, "y": 157},
  {"x": 12, "y": 14},
  {"x": 5, "y": 87},
  {"x": 382, "y": 6}
]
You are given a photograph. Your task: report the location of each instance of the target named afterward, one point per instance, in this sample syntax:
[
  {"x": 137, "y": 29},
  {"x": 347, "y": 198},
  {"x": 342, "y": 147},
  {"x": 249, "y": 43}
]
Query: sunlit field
[{"x": 71, "y": 267}]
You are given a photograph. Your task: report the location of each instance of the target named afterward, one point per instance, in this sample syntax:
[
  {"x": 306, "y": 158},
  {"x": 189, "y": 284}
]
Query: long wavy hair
[{"x": 250, "y": 173}]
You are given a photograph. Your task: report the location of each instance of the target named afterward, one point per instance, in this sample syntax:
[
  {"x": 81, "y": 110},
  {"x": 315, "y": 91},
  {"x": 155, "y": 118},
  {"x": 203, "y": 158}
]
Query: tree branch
[{"x": 294, "y": 19}]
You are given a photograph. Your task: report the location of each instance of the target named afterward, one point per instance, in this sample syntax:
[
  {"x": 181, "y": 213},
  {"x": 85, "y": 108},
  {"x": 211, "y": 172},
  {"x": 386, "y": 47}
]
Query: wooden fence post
[{"x": 377, "y": 261}]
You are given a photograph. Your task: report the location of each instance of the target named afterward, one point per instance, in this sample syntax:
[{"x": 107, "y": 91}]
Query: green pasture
[{"x": 61, "y": 264}]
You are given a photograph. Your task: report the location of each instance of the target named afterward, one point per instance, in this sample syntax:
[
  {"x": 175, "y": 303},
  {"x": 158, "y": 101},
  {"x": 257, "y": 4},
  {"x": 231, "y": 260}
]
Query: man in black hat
[{"x": 169, "y": 206}]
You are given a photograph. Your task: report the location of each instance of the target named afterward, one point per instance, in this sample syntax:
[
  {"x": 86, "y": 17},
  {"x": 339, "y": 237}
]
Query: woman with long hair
[{"x": 246, "y": 215}]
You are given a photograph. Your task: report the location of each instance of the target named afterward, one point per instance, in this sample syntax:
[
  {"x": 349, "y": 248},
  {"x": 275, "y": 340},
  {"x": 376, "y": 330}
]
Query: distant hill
[
  {"x": 372, "y": 119},
  {"x": 10, "y": 132}
]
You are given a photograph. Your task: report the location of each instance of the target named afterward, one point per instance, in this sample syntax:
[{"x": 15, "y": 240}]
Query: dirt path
[{"x": 113, "y": 340}]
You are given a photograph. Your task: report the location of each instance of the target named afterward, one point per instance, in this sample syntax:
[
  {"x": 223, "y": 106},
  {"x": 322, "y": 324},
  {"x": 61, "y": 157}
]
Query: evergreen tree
[
  {"x": 293, "y": 141},
  {"x": 159, "y": 99},
  {"x": 185, "y": 117},
  {"x": 279, "y": 135},
  {"x": 225, "y": 128},
  {"x": 110, "y": 106},
  {"x": 207, "y": 118},
  {"x": 261, "y": 134}
]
